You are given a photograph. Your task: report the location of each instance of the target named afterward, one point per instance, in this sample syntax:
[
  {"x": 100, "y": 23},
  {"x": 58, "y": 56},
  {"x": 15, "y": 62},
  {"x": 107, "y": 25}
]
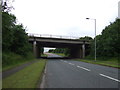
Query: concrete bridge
[{"x": 77, "y": 47}]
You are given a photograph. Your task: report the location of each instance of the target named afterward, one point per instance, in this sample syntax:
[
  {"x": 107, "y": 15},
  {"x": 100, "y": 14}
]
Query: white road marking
[
  {"x": 110, "y": 77},
  {"x": 71, "y": 63},
  {"x": 65, "y": 61},
  {"x": 83, "y": 68}
]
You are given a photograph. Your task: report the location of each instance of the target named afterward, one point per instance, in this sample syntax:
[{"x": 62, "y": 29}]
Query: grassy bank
[
  {"x": 15, "y": 65},
  {"x": 44, "y": 55},
  {"x": 11, "y": 60},
  {"x": 61, "y": 54},
  {"x": 113, "y": 62},
  {"x": 27, "y": 78}
]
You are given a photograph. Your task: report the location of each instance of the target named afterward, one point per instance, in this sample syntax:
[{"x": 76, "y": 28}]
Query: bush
[{"x": 12, "y": 58}]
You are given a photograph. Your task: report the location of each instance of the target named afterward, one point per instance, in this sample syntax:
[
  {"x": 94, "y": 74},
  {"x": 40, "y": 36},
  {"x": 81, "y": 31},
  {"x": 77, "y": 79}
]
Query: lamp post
[{"x": 95, "y": 35}]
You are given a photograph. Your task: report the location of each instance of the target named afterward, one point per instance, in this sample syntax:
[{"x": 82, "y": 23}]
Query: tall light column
[{"x": 95, "y": 35}]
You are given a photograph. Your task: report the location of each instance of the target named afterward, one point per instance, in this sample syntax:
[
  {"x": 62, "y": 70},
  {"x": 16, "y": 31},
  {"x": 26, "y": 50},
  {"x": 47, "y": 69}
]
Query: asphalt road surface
[{"x": 75, "y": 74}]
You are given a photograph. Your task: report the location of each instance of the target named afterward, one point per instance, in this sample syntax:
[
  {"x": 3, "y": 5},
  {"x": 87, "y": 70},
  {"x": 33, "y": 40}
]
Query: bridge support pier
[
  {"x": 36, "y": 49},
  {"x": 83, "y": 51}
]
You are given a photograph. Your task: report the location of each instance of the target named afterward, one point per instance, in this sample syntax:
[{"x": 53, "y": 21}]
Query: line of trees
[
  {"x": 107, "y": 43},
  {"x": 14, "y": 38}
]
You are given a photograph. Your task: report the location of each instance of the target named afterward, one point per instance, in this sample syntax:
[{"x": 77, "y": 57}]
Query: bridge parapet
[{"x": 52, "y": 36}]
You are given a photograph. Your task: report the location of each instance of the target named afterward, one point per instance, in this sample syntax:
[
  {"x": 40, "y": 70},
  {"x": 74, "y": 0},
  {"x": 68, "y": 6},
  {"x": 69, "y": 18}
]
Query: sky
[{"x": 65, "y": 17}]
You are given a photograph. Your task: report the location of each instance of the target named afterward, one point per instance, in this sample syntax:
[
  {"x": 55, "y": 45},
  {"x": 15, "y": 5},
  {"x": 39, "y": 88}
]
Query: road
[{"x": 75, "y": 74}]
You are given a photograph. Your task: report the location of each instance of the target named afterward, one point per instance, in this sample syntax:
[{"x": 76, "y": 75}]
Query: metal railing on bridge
[{"x": 52, "y": 36}]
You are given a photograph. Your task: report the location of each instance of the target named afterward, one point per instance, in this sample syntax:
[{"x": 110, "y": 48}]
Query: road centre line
[
  {"x": 80, "y": 67},
  {"x": 109, "y": 77},
  {"x": 83, "y": 68},
  {"x": 99, "y": 74}
]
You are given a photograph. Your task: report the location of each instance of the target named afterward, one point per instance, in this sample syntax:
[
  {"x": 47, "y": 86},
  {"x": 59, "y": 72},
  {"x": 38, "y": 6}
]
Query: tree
[
  {"x": 5, "y": 6},
  {"x": 20, "y": 44},
  {"x": 8, "y": 23},
  {"x": 15, "y": 39},
  {"x": 109, "y": 41},
  {"x": 86, "y": 38}
]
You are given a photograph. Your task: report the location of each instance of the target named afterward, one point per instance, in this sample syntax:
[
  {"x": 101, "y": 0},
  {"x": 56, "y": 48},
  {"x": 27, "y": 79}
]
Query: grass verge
[
  {"x": 14, "y": 65},
  {"x": 44, "y": 55},
  {"x": 110, "y": 62},
  {"x": 61, "y": 54},
  {"x": 11, "y": 60},
  {"x": 27, "y": 77}
]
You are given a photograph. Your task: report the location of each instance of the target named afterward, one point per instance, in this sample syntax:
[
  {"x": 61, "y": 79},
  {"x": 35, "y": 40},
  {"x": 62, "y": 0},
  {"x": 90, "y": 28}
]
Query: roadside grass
[
  {"x": 44, "y": 55},
  {"x": 110, "y": 62},
  {"x": 15, "y": 65},
  {"x": 61, "y": 54},
  {"x": 11, "y": 60},
  {"x": 28, "y": 77}
]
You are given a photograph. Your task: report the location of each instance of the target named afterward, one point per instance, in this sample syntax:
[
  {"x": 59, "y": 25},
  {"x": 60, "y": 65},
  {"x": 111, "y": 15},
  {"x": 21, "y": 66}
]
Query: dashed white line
[
  {"x": 109, "y": 77},
  {"x": 78, "y": 66},
  {"x": 99, "y": 74},
  {"x": 83, "y": 68}
]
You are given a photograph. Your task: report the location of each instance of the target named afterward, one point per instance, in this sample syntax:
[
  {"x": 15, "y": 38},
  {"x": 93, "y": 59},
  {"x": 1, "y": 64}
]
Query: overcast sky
[{"x": 65, "y": 17}]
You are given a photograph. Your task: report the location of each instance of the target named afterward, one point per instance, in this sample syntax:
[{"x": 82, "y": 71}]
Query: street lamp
[{"x": 95, "y": 35}]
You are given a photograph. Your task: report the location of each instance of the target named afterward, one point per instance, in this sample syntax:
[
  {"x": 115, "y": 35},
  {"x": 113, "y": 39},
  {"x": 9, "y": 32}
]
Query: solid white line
[
  {"x": 83, "y": 68},
  {"x": 110, "y": 77}
]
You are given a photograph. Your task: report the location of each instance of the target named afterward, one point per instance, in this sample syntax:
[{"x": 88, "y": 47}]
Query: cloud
[{"x": 65, "y": 17}]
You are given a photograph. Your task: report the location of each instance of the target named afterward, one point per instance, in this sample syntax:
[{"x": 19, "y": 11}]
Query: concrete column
[
  {"x": 34, "y": 49},
  {"x": 83, "y": 51}
]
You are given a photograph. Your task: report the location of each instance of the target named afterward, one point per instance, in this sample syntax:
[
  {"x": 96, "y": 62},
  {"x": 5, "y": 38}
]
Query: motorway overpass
[{"x": 77, "y": 47}]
